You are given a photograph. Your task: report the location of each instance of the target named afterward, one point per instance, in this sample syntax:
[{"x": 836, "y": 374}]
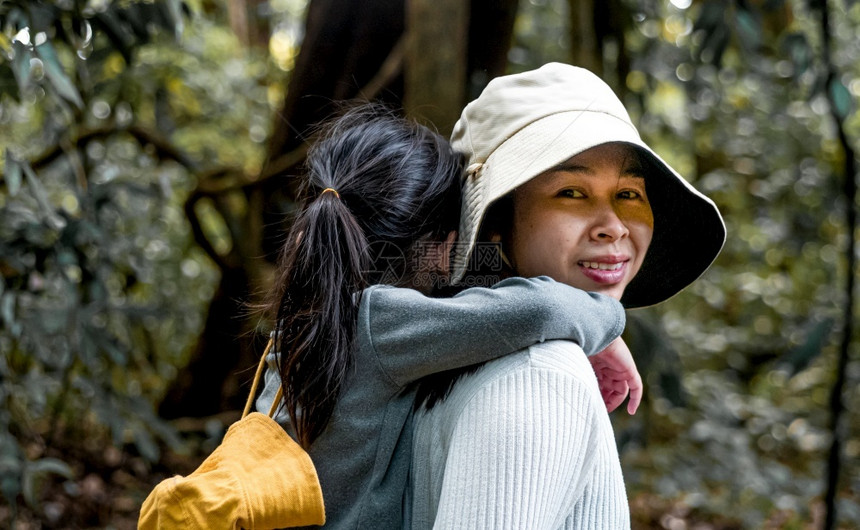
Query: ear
[{"x": 445, "y": 252}]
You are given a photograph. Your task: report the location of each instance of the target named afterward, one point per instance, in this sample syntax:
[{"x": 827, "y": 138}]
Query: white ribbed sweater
[{"x": 523, "y": 443}]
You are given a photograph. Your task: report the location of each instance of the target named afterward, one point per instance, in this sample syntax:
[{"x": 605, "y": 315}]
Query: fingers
[
  {"x": 636, "y": 391},
  {"x": 618, "y": 386},
  {"x": 635, "y": 400},
  {"x": 612, "y": 399},
  {"x": 613, "y": 393}
]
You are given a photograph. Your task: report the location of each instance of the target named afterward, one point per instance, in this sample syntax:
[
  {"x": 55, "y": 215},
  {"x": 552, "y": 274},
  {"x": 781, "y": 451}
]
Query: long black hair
[{"x": 377, "y": 186}]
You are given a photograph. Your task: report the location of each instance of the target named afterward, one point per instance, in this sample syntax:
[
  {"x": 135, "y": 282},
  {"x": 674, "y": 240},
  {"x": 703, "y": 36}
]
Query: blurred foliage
[
  {"x": 106, "y": 123},
  {"x": 106, "y": 111}
]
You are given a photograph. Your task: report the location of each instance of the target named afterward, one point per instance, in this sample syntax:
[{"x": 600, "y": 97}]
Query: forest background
[{"x": 149, "y": 159}]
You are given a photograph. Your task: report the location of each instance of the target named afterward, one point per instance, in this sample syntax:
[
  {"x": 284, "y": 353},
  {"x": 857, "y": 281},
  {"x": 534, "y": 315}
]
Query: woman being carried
[{"x": 382, "y": 199}]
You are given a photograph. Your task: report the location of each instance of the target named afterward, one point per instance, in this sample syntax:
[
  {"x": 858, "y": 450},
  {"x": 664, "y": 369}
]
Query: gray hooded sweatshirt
[{"x": 363, "y": 456}]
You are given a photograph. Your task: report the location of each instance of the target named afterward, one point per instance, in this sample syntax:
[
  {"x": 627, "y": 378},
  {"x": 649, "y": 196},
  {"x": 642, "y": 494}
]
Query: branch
[
  {"x": 206, "y": 187},
  {"x": 389, "y": 70},
  {"x": 200, "y": 238},
  {"x": 163, "y": 148},
  {"x": 849, "y": 189},
  {"x": 391, "y": 67}
]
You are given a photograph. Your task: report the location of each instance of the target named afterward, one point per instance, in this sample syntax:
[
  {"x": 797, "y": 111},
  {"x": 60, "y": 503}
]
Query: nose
[{"x": 608, "y": 226}]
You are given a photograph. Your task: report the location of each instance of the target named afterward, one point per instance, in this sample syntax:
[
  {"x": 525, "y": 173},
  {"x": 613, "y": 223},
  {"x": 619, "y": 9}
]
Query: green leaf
[
  {"x": 142, "y": 409},
  {"x": 55, "y": 73},
  {"x": 799, "y": 358},
  {"x": 714, "y": 45},
  {"x": 35, "y": 471},
  {"x": 710, "y": 17},
  {"x": 21, "y": 64},
  {"x": 54, "y": 221},
  {"x": 112, "y": 346},
  {"x": 120, "y": 37},
  {"x": 137, "y": 16},
  {"x": 145, "y": 443},
  {"x": 840, "y": 98},
  {"x": 7, "y": 308},
  {"x": 8, "y": 82},
  {"x": 42, "y": 16},
  {"x": 13, "y": 174},
  {"x": 10, "y": 468},
  {"x": 797, "y": 48},
  {"x": 749, "y": 29},
  {"x": 174, "y": 7},
  {"x": 49, "y": 465}
]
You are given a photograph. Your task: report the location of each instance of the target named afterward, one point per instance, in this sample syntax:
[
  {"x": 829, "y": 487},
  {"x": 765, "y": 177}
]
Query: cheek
[
  {"x": 642, "y": 234},
  {"x": 538, "y": 244},
  {"x": 640, "y": 223},
  {"x": 646, "y": 229}
]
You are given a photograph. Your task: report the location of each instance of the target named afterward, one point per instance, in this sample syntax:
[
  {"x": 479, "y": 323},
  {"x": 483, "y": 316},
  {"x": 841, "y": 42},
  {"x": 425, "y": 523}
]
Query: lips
[{"x": 607, "y": 270}]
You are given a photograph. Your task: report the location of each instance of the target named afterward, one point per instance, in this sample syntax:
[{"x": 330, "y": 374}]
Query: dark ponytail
[{"x": 375, "y": 182}]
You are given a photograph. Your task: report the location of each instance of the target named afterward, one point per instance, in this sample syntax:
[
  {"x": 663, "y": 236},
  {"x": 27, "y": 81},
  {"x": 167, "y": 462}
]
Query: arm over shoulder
[{"x": 415, "y": 335}]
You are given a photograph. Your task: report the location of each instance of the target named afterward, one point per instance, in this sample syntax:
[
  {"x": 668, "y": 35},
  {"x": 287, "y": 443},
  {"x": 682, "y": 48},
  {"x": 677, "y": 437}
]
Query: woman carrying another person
[
  {"x": 382, "y": 201},
  {"x": 559, "y": 178}
]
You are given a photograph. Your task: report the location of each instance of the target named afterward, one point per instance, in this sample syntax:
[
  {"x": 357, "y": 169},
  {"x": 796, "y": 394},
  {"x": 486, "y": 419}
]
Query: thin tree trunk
[
  {"x": 491, "y": 29},
  {"x": 247, "y": 22},
  {"x": 435, "y": 83},
  {"x": 198, "y": 389},
  {"x": 594, "y": 26},
  {"x": 849, "y": 190},
  {"x": 585, "y": 44}
]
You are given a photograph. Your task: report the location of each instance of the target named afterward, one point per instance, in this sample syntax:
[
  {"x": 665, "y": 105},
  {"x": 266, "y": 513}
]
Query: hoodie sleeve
[{"x": 414, "y": 335}]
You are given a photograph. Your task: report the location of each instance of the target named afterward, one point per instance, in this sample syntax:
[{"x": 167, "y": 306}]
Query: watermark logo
[
  {"x": 386, "y": 262},
  {"x": 390, "y": 265}
]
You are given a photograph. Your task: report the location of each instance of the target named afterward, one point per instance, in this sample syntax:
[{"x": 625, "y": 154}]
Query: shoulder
[
  {"x": 551, "y": 374},
  {"x": 541, "y": 404},
  {"x": 562, "y": 358}
]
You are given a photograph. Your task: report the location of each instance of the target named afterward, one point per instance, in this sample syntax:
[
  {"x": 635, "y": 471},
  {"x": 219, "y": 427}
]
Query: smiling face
[{"x": 586, "y": 222}]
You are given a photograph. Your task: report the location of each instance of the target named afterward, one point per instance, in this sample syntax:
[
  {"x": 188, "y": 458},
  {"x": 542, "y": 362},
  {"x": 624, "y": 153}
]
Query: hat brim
[{"x": 688, "y": 229}]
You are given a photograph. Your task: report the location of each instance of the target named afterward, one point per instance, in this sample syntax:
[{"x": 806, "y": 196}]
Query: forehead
[{"x": 617, "y": 160}]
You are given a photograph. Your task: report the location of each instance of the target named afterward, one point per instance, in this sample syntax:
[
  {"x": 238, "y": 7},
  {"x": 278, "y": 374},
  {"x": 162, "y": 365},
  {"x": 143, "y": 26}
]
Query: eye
[
  {"x": 629, "y": 194},
  {"x": 571, "y": 194}
]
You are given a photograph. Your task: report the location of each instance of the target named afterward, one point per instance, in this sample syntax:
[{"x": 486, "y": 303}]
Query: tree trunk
[
  {"x": 351, "y": 50},
  {"x": 597, "y": 40},
  {"x": 199, "y": 388},
  {"x": 435, "y": 83},
  {"x": 345, "y": 44},
  {"x": 491, "y": 29},
  {"x": 585, "y": 46},
  {"x": 247, "y": 22}
]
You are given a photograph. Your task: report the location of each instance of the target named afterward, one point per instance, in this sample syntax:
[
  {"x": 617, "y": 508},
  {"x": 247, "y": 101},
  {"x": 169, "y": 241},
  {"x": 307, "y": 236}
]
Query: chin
[{"x": 614, "y": 291}]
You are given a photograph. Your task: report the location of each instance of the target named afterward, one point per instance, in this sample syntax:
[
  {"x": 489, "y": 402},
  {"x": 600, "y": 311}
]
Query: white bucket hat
[{"x": 524, "y": 124}]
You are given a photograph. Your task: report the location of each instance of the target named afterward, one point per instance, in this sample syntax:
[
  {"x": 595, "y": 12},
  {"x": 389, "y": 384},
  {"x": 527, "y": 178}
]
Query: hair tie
[{"x": 336, "y": 194}]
